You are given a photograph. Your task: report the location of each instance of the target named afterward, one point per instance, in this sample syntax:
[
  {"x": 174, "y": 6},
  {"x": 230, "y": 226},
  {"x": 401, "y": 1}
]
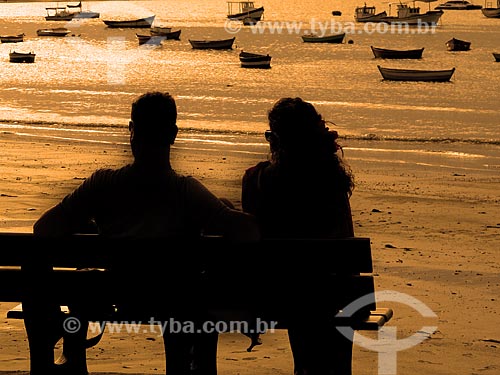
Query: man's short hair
[{"x": 154, "y": 117}]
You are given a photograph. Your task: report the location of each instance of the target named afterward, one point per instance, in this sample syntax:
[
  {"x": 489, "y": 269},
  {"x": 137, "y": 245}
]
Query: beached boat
[
  {"x": 458, "y": 5},
  {"x": 135, "y": 23},
  {"x": 368, "y": 14},
  {"x": 12, "y": 38},
  {"x": 154, "y": 40},
  {"x": 254, "y": 60},
  {"x": 393, "y": 74},
  {"x": 385, "y": 53},
  {"x": 58, "y": 31},
  {"x": 331, "y": 38},
  {"x": 411, "y": 15},
  {"x": 457, "y": 45},
  {"x": 496, "y": 55},
  {"x": 212, "y": 44},
  {"x": 245, "y": 11},
  {"x": 490, "y": 12},
  {"x": 176, "y": 34},
  {"x": 22, "y": 57}
]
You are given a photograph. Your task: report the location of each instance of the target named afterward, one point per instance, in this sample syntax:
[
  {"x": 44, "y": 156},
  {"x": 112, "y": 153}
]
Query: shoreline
[{"x": 434, "y": 231}]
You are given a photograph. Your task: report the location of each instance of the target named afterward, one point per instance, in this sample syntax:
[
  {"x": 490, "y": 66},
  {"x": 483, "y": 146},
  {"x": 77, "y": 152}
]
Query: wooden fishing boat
[
  {"x": 385, "y": 53},
  {"x": 176, "y": 34},
  {"x": 154, "y": 40},
  {"x": 332, "y": 38},
  {"x": 393, "y": 74},
  {"x": 458, "y": 5},
  {"x": 22, "y": 57},
  {"x": 457, "y": 45},
  {"x": 12, "y": 38},
  {"x": 212, "y": 44},
  {"x": 491, "y": 12},
  {"x": 58, "y": 31},
  {"x": 135, "y": 23},
  {"x": 368, "y": 14},
  {"x": 254, "y": 60},
  {"x": 245, "y": 11}
]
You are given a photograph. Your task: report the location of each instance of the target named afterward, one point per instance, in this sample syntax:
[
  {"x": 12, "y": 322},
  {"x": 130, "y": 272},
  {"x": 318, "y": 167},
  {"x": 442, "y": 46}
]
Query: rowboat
[
  {"x": 12, "y": 38},
  {"x": 384, "y": 53},
  {"x": 457, "y": 45},
  {"x": 22, "y": 57},
  {"x": 168, "y": 35},
  {"x": 332, "y": 38},
  {"x": 392, "y": 74},
  {"x": 154, "y": 40},
  {"x": 58, "y": 31},
  {"x": 254, "y": 60},
  {"x": 212, "y": 44},
  {"x": 135, "y": 23},
  {"x": 496, "y": 55}
]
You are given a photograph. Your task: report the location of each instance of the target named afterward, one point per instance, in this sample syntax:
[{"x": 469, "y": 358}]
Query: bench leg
[{"x": 73, "y": 359}]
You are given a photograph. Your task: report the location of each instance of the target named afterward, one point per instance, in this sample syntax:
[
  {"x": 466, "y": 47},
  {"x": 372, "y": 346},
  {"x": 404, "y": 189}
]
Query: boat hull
[
  {"x": 496, "y": 56},
  {"x": 384, "y": 53},
  {"x": 431, "y": 17},
  {"x": 154, "y": 40},
  {"x": 391, "y": 74},
  {"x": 491, "y": 12},
  {"x": 336, "y": 38},
  {"x": 12, "y": 38},
  {"x": 254, "y": 60},
  {"x": 138, "y": 23},
  {"x": 212, "y": 44},
  {"x": 169, "y": 35},
  {"x": 457, "y": 45},
  {"x": 19, "y": 57},
  {"x": 59, "y": 32},
  {"x": 253, "y": 14}
]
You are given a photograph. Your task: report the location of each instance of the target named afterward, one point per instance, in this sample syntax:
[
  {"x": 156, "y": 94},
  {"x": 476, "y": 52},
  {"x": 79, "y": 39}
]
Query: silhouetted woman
[{"x": 303, "y": 190}]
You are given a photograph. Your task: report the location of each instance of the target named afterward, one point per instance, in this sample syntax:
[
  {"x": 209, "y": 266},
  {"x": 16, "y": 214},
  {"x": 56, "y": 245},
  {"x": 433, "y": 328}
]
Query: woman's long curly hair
[{"x": 299, "y": 137}]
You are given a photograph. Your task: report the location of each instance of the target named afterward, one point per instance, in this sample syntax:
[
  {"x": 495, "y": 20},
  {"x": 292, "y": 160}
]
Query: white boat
[
  {"x": 368, "y": 14},
  {"x": 393, "y": 74},
  {"x": 490, "y": 12},
  {"x": 458, "y": 5},
  {"x": 245, "y": 11},
  {"x": 134, "y": 23},
  {"x": 410, "y": 15}
]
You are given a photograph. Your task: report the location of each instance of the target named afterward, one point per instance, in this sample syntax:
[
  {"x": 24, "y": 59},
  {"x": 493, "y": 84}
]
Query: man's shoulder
[{"x": 257, "y": 168}]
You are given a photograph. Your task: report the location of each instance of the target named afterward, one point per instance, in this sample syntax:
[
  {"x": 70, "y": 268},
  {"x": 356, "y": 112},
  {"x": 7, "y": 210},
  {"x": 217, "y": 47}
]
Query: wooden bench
[{"x": 275, "y": 280}]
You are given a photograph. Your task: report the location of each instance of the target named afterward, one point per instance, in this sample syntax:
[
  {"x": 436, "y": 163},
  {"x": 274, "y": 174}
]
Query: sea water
[{"x": 81, "y": 86}]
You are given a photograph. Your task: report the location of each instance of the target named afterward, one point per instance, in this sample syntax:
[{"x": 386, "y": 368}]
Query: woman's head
[{"x": 298, "y": 136}]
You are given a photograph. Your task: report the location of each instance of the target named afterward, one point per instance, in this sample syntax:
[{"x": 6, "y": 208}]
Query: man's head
[{"x": 153, "y": 121}]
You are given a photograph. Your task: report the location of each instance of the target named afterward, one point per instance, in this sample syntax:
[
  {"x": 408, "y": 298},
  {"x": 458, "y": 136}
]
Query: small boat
[
  {"x": 368, "y": 14},
  {"x": 176, "y": 34},
  {"x": 332, "y": 38},
  {"x": 384, "y": 53},
  {"x": 135, "y": 23},
  {"x": 491, "y": 12},
  {"x": 160, "y": 30},
  {"x": 80, "y": 13},
  {"x": 411, "y": 15},
  {"x": 154, "y": 40},
  {"x": 58, "y": 31},
  {"x": 336, "y": 13},
  {"x": 496, "y": 55},
  {"x": 457, "y": 45},
  {"x": 254, "y": 60},
  {"x": 245, "y": 11},
  {"x": 22, "y": 57},
  {"x": 212, "y": 44},
  {"x": 59, "y": 14},
  {"x": 393, "y": 74},
  {"x": 12, "y": 38},
  {"x": 458, "y": 5}
]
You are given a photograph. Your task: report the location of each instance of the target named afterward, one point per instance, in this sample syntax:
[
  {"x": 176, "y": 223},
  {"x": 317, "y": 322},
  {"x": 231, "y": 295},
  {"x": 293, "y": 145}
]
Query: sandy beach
[{"x": 435, "y": 238}]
